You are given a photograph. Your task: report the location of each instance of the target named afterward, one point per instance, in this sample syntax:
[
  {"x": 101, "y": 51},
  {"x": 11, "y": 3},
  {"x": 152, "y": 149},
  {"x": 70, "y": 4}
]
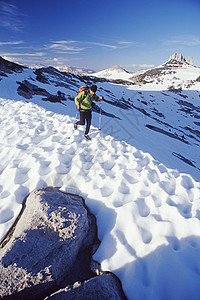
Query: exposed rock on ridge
[
  {"x": 7, "y": 67},
  {"x": 179, "y": 57},
  {"x": 167, "y": 71}
]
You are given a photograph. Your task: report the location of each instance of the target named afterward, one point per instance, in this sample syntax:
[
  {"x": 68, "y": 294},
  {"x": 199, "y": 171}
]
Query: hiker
[{"x": 84, "y": 104}]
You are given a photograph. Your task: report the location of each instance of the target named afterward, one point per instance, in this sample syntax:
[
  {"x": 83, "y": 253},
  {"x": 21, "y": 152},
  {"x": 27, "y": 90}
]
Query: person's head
[{"x": 93, "y": 89}]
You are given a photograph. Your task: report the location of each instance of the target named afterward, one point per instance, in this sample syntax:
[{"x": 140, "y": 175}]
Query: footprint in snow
[
  {"x": 123, "y": 188},
  {"x": 153, "y": 176},
  {"x": 145, "y": 192},
  {"x": 143, "y": 209},
  {"x": 131, "y": 176},
  {"x": 157, "y": 201},
  {"x": 123, "y": 199},
  {"x": 63, "y": 169},
  {"x": 86, "y": 156},
  {"x": 6, "y": 215},
  {"x": 40, "y": 128},
  {"x": 78, "y": 138},
  {"x": 108, "y": 165},
  {"x": 143, "y": 162},
  {"x": 64, "y": 158},
  {"x": 48, "y": 148},
  {"x": 101, "y": 146},
  {"x": 106, "y": 191},
  {"x": 4, "y": 194},
  {"x": 9, "y": 131},
  {"x": 22, "y": 147},
  {"x": 146, "y": 235},
  {"x": 162, "y": 169},
  {"x": 169, "y": 186},
  {"x": 187, "y": 182},
  {"x": 21, "y": 175},
  {"x": 21, "y": 193},
  {"x": 44, "y": 168},
  {"x": 183, "y": 208},
  {"x": 138, "y": 154},
  {"x": 157, "y": 217},
  {"x": 72, "y": 150},
  {"x": 56, "y": 138}
]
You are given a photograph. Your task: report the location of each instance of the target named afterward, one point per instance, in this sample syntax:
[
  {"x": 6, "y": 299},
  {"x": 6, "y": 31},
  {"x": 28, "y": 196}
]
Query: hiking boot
[
  {"x": 87, "y": 137},
  {"x": 75, "y": 125}
]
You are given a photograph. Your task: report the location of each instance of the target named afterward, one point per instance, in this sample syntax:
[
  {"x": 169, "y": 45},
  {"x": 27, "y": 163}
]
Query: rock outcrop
[
  {"x": 101, "y": 287},
  {"x": 48, "y": 247},
  {"x": 179, "y": 58},
  {"x": 28, "y": 90},
  {"x": 7, "y": 67},
  {"x": 44, "y": 244},
  {"x": 168, "y": 71},
  {"x": 198, "y": 79},
  {"x": 190, "y": 61}
]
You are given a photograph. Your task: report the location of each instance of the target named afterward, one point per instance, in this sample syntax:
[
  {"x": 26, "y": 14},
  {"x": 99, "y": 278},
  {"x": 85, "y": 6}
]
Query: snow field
[{"x": 148, "y": 216}]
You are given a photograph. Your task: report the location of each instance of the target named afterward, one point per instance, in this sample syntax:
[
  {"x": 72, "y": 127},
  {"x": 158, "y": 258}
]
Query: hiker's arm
[{"x": 97, "y": 99}]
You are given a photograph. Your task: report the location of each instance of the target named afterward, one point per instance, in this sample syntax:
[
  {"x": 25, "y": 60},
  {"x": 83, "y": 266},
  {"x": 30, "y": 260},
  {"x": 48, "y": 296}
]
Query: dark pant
[{"x": 85, "y": 115}]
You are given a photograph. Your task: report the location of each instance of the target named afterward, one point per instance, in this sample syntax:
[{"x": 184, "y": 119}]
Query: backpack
[{"x": 85, "y": 89}]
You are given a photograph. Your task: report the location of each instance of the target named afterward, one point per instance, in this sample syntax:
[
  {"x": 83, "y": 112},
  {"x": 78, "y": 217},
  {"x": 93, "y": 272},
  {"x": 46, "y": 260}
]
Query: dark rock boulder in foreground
[
  {"x": 47, "y": 248},
  {"x": 101, "y": 287},
  {"x": 44, "y": 244}
]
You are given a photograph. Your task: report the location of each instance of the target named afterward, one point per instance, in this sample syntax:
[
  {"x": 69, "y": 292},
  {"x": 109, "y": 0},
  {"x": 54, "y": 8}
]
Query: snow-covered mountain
[
  {"x": 113, "y": 73},
  {"x": 75, "y": 70},
  {"x": 174, "y": 74},
  {"x": 139, "y": 175},
  {"x": 178, "y": 72}
]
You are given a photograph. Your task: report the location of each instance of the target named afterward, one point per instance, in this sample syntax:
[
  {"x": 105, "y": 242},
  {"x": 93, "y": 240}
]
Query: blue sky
[{"x": 99, "y": 34}]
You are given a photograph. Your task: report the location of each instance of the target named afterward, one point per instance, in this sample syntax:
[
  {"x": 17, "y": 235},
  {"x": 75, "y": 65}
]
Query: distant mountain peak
[
  {"x": 64, "y": 69},
  {"x": 118, "y": 69},
  {"x": 178, "y": 57},
  {"x": 115, "y": 72},
  {"x": 75, "y": 70}
]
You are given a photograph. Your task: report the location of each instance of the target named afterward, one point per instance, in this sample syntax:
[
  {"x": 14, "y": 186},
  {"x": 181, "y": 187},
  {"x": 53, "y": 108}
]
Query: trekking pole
[{"x": 100, "y": 116}]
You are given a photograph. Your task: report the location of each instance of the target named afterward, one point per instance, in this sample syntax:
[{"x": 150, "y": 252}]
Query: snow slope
[
  {"x": 139, "y": 175},
  {"x": 147, "y": 214}
]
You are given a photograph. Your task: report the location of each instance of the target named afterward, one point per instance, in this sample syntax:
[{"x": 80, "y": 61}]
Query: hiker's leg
[
  {"x": 88, "y": 119},
  {"x": 82, "y": 118}
]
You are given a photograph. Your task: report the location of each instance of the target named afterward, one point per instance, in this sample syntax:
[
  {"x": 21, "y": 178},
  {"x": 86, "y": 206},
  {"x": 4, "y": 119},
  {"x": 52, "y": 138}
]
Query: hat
[{"x": 93, "y": 88}]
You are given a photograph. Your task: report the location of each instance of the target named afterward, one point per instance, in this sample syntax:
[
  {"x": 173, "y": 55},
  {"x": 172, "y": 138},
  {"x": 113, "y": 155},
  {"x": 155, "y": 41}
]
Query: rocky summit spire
[
  {"x": 179, "y": 57},
  {"x": 189, "y": 60}
]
